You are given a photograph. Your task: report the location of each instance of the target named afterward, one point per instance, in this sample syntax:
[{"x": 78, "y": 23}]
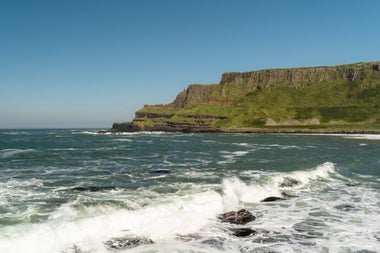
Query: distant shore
[{"x": 253, "y": 131}]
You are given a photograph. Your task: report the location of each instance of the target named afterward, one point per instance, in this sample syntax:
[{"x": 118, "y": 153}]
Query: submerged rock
[
  {"x": 346, "y": 207},
  {"x": 272, "y": 199},
  {"x": 93, "y": 188},
  {"x": 126, "y": 242},
  {"x": 240, "y": 217},
  {"x": 289, "y": 182},
  {"x": 242, "y": 232},
  {"x": 160, "y": 171},
  {"x": 216, "y": 243}
]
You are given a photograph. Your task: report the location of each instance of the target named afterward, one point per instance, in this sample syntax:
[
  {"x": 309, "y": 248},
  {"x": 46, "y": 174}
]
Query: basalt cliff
[{"x": 344, "y": 98}]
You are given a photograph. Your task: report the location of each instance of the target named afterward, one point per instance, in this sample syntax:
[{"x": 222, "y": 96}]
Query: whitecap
[
  {"x": 124, "y": 139},
  {"x": 6, "y": 153},
  {"x": 16, "y": 133},
  {"x": 160, "y": 222},
  {"x": 18, "y": 184}
]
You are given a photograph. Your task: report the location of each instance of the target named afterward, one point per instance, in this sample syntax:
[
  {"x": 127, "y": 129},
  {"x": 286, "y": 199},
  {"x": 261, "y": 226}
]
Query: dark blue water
[{"x": 72, "y": 190}]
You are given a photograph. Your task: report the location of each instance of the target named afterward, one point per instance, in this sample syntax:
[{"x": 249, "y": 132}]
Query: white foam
[
  {"x": 127, "y": 140},
  {"x": 17, "y": 133},
  {"x": 236, "y": 191},
  {"x": 6, "y": 153},
  {"x": 14, "y": 183},
  {"x": 321, "y": 171},
  {"x": 162, "y": 221},
  {"x": 230, "y": 156},
  {"x": 363, "y": 136}
]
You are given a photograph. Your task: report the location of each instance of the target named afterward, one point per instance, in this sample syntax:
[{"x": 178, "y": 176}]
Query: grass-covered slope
[{"x": 335, "y": 98}]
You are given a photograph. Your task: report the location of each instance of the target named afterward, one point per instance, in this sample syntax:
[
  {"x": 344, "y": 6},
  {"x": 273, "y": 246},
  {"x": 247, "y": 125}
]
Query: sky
[{"x": 89, "y": 63}]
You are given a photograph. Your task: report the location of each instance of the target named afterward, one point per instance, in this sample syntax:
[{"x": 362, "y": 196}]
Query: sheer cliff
[{"x": 326, "y": 98}]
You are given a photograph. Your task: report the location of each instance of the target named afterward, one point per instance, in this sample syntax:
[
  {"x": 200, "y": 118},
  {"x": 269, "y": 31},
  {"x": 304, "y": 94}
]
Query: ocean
[{"x": 77, "y": 191}]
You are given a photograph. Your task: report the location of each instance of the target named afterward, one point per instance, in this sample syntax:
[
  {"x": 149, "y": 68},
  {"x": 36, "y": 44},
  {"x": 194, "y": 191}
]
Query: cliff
[{"x": 328, "y": 98}]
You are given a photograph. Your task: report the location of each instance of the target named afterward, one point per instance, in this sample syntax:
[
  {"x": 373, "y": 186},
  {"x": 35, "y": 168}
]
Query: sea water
[{"x": 64, "y": 191}]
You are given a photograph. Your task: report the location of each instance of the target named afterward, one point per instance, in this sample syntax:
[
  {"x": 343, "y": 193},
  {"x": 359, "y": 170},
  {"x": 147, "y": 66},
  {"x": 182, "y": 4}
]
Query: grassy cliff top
[{"x": 343, "y": 97}]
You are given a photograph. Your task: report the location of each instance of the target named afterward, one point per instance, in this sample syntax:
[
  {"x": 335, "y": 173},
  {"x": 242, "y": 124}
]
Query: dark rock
[
  {"x": 125, "y": 127},
  {"x": 126, "y": 242},
  {"x": 240, "y": 217},
  {"x": 161, "y": 171},
  {"x": 93, "y": 188},
  {"x": 243, "y": 232},
  {"x": 289, "y": 182},
  {"x": 104, "y": 131},
  {"x": 346, "y": 207},
  {"x": 272, "y": 199}
]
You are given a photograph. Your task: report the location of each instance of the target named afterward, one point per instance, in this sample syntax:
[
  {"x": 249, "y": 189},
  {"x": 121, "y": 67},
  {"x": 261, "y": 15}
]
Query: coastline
[{"x": 251, "y": 131}]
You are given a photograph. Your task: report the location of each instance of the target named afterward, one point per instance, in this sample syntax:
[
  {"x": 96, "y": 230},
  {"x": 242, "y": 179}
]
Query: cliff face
[
  {"x": 298, "y": 75},
  {"x": 334, "y": 97}
]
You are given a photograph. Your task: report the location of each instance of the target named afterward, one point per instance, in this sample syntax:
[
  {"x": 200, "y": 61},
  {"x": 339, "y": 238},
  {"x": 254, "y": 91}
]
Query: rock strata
[{"x": 240, "y": 217}]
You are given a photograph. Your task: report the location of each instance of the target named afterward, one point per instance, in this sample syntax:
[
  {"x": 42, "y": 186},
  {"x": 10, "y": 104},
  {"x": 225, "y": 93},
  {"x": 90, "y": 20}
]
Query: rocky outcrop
[
  {"x": 196, "y": 94},
  {"x": 125, "y": 127},
  {"x": 243, "y": 232},
  {"x": 272, "y": 199},
  {"x": 127, "y": 242},
  {"x": 240, "y": 217}
]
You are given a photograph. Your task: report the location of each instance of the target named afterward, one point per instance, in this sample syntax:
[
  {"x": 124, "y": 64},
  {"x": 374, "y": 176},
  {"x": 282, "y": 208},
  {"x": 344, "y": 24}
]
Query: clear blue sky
[{"x": 89, "y": 63}]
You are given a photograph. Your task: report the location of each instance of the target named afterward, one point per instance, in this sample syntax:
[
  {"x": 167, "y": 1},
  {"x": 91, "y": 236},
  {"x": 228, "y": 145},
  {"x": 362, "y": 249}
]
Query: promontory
[{"x": 344, "y": 98}]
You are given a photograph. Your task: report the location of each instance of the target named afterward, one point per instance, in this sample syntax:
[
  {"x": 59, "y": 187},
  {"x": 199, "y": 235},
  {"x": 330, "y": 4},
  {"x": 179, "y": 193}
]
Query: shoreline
[{"x": 253, "y": 131}]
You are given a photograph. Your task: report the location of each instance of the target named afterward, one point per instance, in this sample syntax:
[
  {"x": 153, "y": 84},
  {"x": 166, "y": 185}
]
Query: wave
[
  {"x": 183, "y": 215},
  {"x": 6, "y": 153},
  {"x": 162, "y": 220},
  {"x": 236, "y": 191}
]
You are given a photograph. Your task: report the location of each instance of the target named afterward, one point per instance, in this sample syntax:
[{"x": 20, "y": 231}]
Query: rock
[
  {"x": 160, "y": 171},
  {"x": 289, "y": 182},
  {"x": 126, "y": 242},
  {"x": 346, "y": 207},
  {"x": 93, "y": 188},
  {"x": 240, "y": 217},
  {"x": 272, "y": 199},
  {"x": 243, "y": 232},
  {"x": 125, "y": 127}
]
